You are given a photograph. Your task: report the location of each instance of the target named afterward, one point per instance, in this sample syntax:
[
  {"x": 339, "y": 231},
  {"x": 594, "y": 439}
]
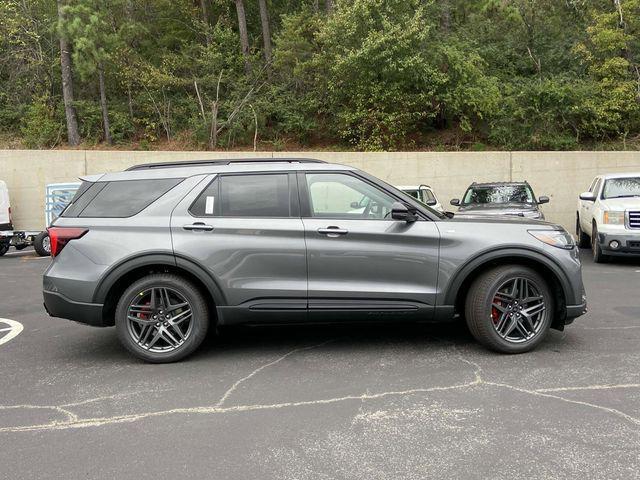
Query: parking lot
[{"x": 321, "y": 402}]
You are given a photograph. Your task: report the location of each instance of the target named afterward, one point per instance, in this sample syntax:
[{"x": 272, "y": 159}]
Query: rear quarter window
[{"x": 119, "y": 199}]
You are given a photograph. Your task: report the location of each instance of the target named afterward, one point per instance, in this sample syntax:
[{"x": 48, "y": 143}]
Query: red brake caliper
[{"x": 495, "y": 314}]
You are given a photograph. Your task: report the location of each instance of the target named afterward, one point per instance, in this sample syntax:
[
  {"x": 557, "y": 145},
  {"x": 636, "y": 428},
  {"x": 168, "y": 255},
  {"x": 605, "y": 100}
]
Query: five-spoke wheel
[
  {"x": 162, "y": 318},
  {"x": 509, "y": 308}
]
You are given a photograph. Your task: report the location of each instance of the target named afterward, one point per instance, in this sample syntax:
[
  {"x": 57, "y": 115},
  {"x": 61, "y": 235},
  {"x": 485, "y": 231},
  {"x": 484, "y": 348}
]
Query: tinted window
[
  {"x": 122, "y": 199},
  {"x": 207, "y": 205},
  {"x": 245, "y": 196},
  {"x": 336, "y": 195}
]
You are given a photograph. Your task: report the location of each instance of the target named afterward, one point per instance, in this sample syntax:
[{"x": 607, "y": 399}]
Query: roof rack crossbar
[{"x": 198, "y": 163}]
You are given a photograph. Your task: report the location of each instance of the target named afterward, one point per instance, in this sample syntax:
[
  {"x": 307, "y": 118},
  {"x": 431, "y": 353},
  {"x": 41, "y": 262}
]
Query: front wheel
[
  {"x": 509, "y": 309},
  {"x": 162, "y": 318},
  {"x": 596, "y": 249},
  {"x": 4, "y": 248},
  {"x": 583, "y": 238}
]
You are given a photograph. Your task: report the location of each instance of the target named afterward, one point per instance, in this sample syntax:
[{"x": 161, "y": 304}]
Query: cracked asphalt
[{"x": 392, "y": 401}]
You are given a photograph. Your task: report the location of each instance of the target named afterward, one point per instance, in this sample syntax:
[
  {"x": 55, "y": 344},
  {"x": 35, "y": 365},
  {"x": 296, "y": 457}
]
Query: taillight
[{"x": 60, "y": 236}]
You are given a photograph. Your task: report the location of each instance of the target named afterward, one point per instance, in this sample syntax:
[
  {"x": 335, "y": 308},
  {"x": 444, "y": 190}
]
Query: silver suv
[{"x": 164, "y": 251}]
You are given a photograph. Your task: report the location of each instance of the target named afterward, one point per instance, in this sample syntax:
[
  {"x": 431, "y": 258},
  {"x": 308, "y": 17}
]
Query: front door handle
[
  {"x": 333, "y": 231},
  {"x": 198, "y": 227}
]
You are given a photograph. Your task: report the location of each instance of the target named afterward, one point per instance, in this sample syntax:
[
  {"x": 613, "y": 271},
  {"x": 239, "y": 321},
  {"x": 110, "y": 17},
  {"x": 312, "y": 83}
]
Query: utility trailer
[{"x": 57, "y": 197}]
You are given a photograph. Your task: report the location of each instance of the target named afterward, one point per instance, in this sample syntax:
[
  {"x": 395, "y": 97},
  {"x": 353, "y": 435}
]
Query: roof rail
[{"x": 199, "y": 163}]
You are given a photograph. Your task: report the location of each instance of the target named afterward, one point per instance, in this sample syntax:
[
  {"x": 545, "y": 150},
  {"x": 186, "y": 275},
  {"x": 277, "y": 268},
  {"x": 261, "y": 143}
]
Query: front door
[
  {"x": 246, "y": 231},
  {"x": 361, "y": 263}
]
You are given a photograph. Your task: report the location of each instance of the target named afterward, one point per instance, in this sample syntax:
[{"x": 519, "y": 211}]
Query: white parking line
[{"x": 14, "y": 328}]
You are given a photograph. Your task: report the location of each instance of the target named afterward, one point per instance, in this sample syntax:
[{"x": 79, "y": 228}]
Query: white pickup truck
[{"x": 608, "y": 216}]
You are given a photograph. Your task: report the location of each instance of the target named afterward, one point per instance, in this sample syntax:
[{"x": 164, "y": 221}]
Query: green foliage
[
  {"x": 373, "y": 75},
  {"x": 40, "y": 127}
]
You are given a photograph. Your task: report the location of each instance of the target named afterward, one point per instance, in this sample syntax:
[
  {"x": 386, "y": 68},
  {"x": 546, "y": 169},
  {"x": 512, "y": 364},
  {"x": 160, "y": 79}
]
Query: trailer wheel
[
  {"x": 4, "y": 247},
  {"x": 42, "y": 244}
]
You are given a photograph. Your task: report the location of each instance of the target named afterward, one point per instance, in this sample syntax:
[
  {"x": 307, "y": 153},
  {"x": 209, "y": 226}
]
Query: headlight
[
  {"x": 613, "y": 218},
  {"x": 555, "y": 238}
]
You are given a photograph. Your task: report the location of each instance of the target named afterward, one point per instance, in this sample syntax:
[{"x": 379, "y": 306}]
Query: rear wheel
[
  {"x": 583, "y": 238},
  {"x": 509, "y": 309},
  {"x": 162, "y": 318},
  {"x": 42, "y": 244}
]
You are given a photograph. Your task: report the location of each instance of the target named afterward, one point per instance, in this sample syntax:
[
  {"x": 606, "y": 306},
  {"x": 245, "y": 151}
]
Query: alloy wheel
[
  {"x": 159, "y": 319},
  {"x": 518, "y": 310}
]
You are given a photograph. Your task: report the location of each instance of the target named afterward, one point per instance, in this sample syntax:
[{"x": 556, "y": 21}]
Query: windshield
[
  {"x": 621, "y": 187},
  {"x": 498, "y": 194}
]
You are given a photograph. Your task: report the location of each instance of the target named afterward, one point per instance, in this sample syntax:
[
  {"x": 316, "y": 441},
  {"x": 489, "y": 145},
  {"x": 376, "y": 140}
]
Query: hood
[
  {"x": 629, "y": 203},
  {"x": 511, "y": 219},
  {"x": 516, "y": 209}
]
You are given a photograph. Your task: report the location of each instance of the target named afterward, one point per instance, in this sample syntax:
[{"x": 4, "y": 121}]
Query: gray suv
[{"x": 165, "y": 251}]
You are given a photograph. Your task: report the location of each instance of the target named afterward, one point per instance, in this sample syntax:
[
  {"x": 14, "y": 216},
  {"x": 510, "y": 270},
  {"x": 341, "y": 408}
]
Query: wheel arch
[
  {"x": 122, "y": 275},
  {"x": 550, "y": 271}
]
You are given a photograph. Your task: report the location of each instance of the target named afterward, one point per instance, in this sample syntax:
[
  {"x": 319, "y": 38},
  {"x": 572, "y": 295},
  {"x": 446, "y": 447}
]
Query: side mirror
[
  {"x": 455, "y": 202},
  {"x": 355, "y": 205},
  {"x": 543, "y": 199},
  {"x": 431, "y": 203},
  {"x": 588, "y": 196},
  {"x": 399, "y": 211}
]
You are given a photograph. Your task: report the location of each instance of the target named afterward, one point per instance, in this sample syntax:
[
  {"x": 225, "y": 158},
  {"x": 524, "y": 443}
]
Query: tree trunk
[
  {"x": 103, "y": 105},
  {"x": 73, "y": 135},
  {"x": 266, "y": 30},
  {"x": 328, "y": 5},
  {"x": 316, "y": 6},
  {"x": 445, "y": 16},
  {"x": 205, "y": 19},
  {"x": 244, "y": 36}
]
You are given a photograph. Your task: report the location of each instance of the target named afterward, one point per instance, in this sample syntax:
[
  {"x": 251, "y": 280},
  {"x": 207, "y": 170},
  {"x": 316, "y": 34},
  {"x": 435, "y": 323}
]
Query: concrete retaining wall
[{"x": 560, "y": 175}]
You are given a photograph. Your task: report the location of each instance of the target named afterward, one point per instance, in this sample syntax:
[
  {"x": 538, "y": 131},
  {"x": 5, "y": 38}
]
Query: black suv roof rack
[{"x": 199, "y": 163}]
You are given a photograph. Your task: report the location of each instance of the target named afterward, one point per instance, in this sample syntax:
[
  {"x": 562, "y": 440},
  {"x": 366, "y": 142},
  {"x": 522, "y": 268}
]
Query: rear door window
[{"x": 247, "y": 195}]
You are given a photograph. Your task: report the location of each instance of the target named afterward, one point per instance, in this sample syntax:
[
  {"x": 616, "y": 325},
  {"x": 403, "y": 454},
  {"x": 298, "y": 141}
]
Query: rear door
[
  {"x": 362, "y": 264},
  {"x": 245, "y": 231}
]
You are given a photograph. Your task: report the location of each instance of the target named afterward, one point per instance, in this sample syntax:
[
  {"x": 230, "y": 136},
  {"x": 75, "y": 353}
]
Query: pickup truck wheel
[
  {"x": 583, "y": 238},
  {"x": 42, "y": 244},
  {"x": 4, "y": 248},
  {"x": 596, "y": 250},
  {"x": 162, "y": 318},
  {"x": 509, "y": 309}
]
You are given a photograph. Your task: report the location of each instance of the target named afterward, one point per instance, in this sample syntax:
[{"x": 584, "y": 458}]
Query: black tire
[
  {"x": 596, "y": 250},
  {"x": 178, "y": 285},
  {"x": 21, "y": 246},
  {"x": 583, "y": 239},
  {"x": 42, "y": 244},
  {"x": 4, "y": 248},
  {"x": 479, "y": 308}
]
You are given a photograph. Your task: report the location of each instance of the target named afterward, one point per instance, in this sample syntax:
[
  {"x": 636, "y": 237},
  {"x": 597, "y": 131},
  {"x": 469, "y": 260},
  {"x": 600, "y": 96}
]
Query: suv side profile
[{"x": 164, "y": 251}]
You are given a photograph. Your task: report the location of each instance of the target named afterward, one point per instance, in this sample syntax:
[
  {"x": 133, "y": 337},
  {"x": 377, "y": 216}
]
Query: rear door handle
[
  {"x": 333, "y": 231},
  {"x": 198, "y": 227}
]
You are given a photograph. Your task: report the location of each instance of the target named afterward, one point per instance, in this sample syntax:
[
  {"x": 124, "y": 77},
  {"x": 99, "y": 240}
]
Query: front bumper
[
  {"x": 629, "y": 242},
  {"x": 57, "y": 305}
]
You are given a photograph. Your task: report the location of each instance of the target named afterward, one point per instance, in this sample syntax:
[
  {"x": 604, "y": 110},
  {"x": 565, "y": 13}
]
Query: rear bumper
[{"x": 57, "y": 305}]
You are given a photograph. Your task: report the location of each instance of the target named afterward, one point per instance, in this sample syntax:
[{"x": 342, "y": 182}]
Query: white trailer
[{"x": 57, "y": 196}]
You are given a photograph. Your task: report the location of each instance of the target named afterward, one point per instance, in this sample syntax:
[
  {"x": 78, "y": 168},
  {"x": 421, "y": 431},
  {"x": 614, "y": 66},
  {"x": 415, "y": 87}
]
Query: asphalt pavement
[{"x": 383, "y": 402}]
